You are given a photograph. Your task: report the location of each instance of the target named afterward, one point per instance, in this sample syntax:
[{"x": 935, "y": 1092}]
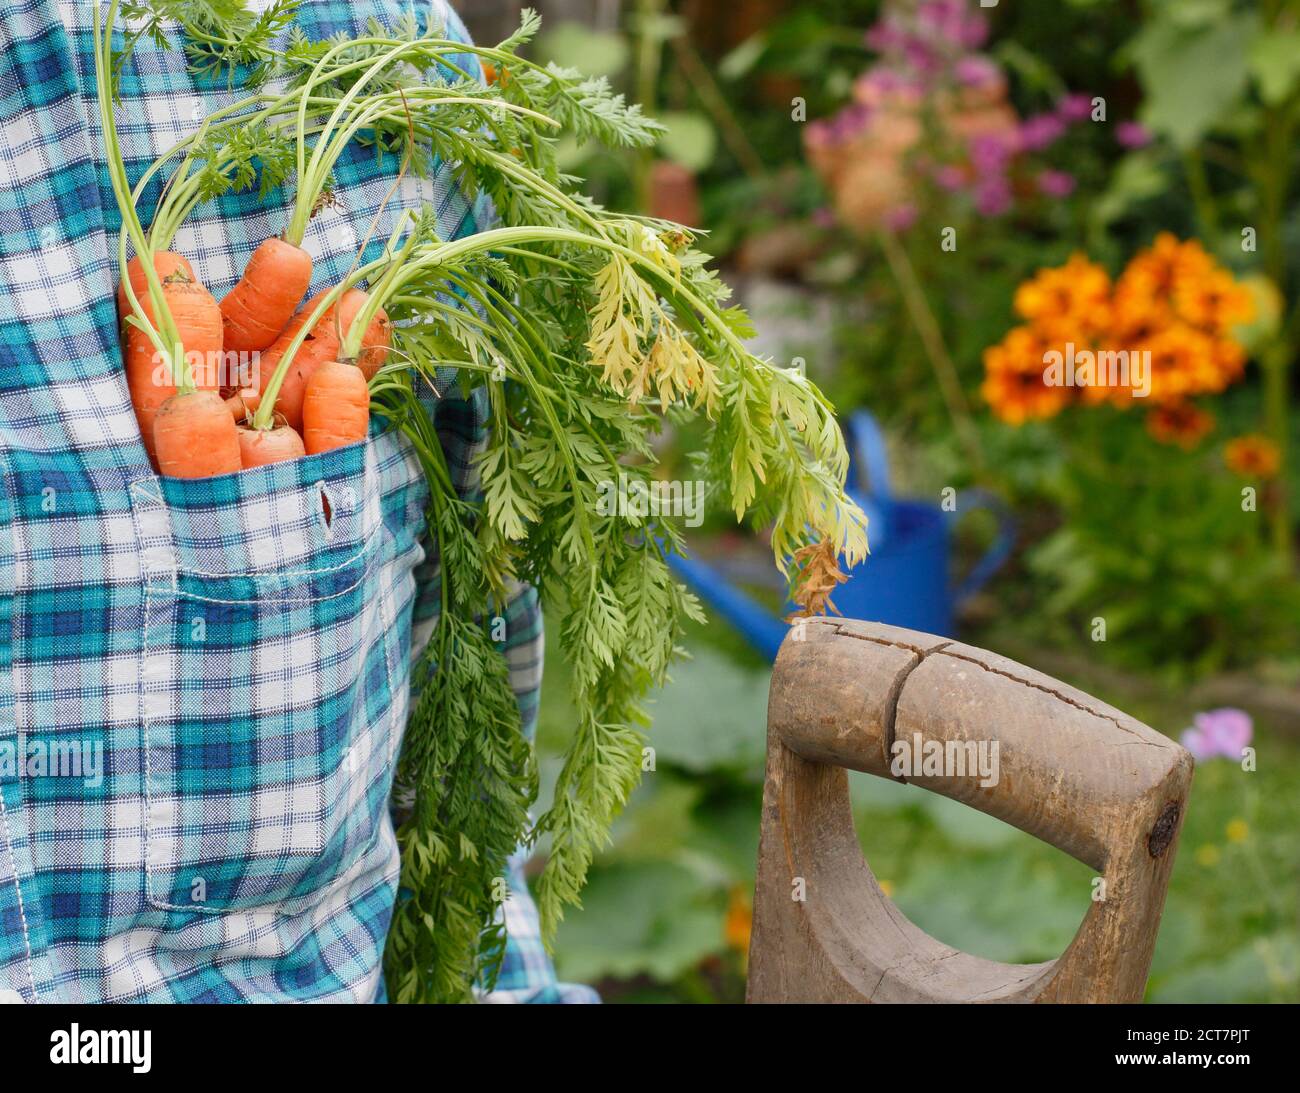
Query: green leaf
[
  {"x": 1250, "y": 973},
  {"x": 652, "y": 918},
  {"x": 711, "y": 716},
  {"x": 1137, "y": 177},
  {"x": 690, "y": 140},
  {"x": 1192, "y": 77},
  {"x": 595, "y": 52},
  {"x": 741, "y": 60},
  {"x": 1275, "y": 64}
]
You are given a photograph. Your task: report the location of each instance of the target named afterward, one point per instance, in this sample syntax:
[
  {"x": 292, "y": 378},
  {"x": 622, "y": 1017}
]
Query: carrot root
[
  {"x": 195, "y": 436},
  {"x": 335, "y": 407},
  {"x": 258, "y": 447},
  {"x": 256, "y": 310}
]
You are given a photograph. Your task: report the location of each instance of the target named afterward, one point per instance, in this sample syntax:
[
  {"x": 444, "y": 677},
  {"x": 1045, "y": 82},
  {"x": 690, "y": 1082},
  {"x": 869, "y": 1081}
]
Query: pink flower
[
  {"x": 1224, "y": 732},
  {"x": 989, "y": 152},
  {"x": 1074, "y": 107},
  {"x": 1055, "y": 183},
  {"x": 885, "y": 36},
  {"x": 992, "y": 196},
  {"x": 824, "y": 216},
  {"x": 900, "y": 217},
  {"x": 976, "y": 70},
  {"x": 818, "y": 134},
  {"x": 922, "y": 57},
  {"x": 1132, "y": 134},
  {"x": 879, "y": 82},
  {"x": 952, "y": 22},
  {"x": 950, "y": 177},
  {"x": 1039, "y": 131}
]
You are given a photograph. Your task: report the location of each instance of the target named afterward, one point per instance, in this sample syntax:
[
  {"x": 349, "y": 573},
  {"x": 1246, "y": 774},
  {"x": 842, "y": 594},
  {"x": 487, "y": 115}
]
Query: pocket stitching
[
  {"x": 158, "y": 499},
  {"x": 139, "y": 487}
]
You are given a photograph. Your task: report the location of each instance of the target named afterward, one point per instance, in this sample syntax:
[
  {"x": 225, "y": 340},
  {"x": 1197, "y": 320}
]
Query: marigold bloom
[
  {"x": 1213, "y": 301},
  {"x": 1073, "y": 299},
  {"x": 1183, "y": 363},
  {"x": 1014, "y": 384},
  {"x": 1172, "y": 301},
  {"x": 1252, "y": 456},
  {"x": 1182, "y": 423}
]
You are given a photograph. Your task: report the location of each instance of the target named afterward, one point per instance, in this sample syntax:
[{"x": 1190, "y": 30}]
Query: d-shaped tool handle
[{"x": 983, "y": 730}]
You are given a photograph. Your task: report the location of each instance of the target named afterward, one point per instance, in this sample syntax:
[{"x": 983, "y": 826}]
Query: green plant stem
[
  {"x": 1276, "y": 360},
  {"x": 648, "y": 58},
  {"x": 162, "y": 333},
  {"x": 945, "y": 372}
]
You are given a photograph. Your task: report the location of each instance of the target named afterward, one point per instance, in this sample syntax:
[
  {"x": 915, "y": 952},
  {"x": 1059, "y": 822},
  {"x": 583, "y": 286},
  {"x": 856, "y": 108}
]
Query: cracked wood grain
[{"x": 1069, "y": 773}]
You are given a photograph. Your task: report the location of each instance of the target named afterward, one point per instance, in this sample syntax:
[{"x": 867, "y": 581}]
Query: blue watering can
[{"x": 903, "y": 583}]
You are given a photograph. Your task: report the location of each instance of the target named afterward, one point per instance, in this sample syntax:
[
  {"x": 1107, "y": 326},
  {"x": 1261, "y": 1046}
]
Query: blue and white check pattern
[{"x": 237, "y": 659}]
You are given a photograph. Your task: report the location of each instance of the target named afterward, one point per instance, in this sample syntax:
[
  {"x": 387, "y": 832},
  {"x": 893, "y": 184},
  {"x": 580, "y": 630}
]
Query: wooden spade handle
[{"x": 1068, "y": 769}]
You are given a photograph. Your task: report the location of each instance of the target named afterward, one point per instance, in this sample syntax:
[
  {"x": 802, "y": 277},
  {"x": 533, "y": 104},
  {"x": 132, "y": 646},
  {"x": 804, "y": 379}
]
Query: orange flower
[
  {"x": 1069, "y": 303},
  {"x": 1137, "y": 312},
  {"x": 1183, "y": 363},
  {"x": 1173, "y": 302},
  {"x": 739, "y": 923},
  {"x": 1166, "y": 261},
  {"x": 1182, "y": 423},
  {"x": 1252, "y": 456},
  {"x": 1014, "y": 384},
  {"x": 1213, "y": 301}
]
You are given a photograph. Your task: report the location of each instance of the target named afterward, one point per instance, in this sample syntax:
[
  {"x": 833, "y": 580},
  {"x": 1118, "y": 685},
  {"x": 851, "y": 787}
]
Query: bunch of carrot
[
  {"x": 193, "y": 426},
  {"x": 205, "y": 428},
  {"x": 311, "y": 395}
]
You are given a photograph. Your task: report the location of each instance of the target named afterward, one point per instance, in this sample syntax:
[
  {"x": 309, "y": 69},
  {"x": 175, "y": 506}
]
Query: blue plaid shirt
[{"x": 203, "y": 683}]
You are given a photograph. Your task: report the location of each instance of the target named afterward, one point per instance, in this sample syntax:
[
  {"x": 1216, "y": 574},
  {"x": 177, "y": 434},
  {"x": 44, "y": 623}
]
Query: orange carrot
[
  {"x": 311, "y": 355},
  {"x": 242, "y": 404},
  {"x": 257, "y": 308},
  {"x": 335, "y": 407},
  {"x": 374, "y": 345},
  {"x": 198, "y": 322},
  {"x": 261, "y": 446},
  {"x": 321, "y": 345},
  {"x": 166, "y": 262},
  {"x": 195, "y": 436}
]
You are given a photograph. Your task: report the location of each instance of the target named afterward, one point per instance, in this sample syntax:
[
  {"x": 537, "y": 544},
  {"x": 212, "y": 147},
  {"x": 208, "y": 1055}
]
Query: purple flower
[
  {"x": 1132, "y": 134},
  {"x": 824, "y": 216},
  {"x": 1055, "y": 183},
  {"x": 922, "y": 57},
  {"x": 976, "y": 70},
  {"x": 992, "y": 195},
  {"x": 1224, "y": 732},
  {"x": 885, "y": 36},
  {"x": 989, "y": 152},
  {"x": 1074, "y": 107},
  {"x": 1038, "y": 132},
  {"x": 900, "y": 217},
  {"x": 950, "y": 177}
]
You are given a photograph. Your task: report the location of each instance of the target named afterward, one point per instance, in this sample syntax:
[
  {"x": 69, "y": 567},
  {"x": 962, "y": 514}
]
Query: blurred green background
[{"x": 830, "y": 149}]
